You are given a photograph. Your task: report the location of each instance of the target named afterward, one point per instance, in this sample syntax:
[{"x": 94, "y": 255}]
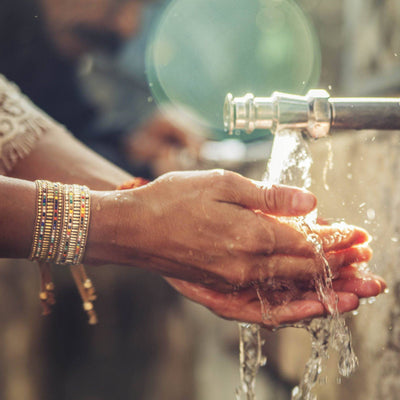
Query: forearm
[
  {"x": 34, "y": 146},
  {"x": 18, "y": 200},
  {"x": 17, "y": 216},
  {"x": 58, "y": 156}
]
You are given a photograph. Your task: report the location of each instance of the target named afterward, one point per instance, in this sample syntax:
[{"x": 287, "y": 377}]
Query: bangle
[
  {"x": 62, "y": 223},
  {"x": 66, "y": 224},
  {"x": 41, "y": 236},
  {"x": 59, "y": 236}
]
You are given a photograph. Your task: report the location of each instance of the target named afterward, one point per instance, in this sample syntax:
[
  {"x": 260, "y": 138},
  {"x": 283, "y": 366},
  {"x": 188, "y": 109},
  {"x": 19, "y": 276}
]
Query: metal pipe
[
  {"x": 315, "y": 114},
  {"x": 365, "y": 113}
]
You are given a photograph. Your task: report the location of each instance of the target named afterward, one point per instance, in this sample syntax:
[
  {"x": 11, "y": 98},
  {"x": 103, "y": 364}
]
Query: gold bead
[
  {"x": 88, "y": 306},
  {"x": 43, "y": 296},
  {"x": 87, "y": 284}
]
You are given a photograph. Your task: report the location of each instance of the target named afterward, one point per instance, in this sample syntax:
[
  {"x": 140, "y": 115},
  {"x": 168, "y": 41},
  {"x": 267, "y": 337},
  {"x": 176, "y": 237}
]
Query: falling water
[
  {"x": 251, "y": 359},
  {"x": 290, "y": 164}
]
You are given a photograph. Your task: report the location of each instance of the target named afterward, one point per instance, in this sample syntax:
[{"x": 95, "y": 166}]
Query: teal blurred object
[{"x": 202, "y": 49}]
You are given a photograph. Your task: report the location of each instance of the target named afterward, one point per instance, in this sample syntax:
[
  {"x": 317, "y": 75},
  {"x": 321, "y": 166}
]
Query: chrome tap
[{"x": 315, "y": 113}]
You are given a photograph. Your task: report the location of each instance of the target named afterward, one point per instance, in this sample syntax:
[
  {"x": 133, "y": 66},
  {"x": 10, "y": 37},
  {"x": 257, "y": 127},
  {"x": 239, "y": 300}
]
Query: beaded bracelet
[
  {"x": 62, "y": 223},
  {"x": 60, "y": 234}
]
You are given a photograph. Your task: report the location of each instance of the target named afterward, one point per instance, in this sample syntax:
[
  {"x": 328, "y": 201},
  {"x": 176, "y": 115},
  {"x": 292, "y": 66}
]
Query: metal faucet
[{"x": 315, "y": 113}]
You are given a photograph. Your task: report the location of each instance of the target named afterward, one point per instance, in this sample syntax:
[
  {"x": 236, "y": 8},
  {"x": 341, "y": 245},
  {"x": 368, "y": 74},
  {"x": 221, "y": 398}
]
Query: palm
[{"x": 244, "y": 305}]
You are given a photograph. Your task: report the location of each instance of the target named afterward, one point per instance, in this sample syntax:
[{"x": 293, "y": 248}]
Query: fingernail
[{"x": 303, "y": 202}]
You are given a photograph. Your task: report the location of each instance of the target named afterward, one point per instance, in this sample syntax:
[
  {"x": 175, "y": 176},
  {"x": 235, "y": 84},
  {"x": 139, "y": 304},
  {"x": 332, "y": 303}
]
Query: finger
[
  {"x": 360, "y": 287},
  {"x": 286, "y": 267},
  {"x": 339, "y": 236},
  {"x": 311, "y": 308},
  {"x": 381, "y": 281},
  {"x": 356, "y": 272},
  {"x": 361, "y": 283},
  {"x": 296, "y": 311},
  {"x": 344, "y": 258},
  {"x": 300, "y": 268},
  {"x": 345, "y": 301},
  {"x": 290, "y": 239},
  {"x": 278, "y": 200}
]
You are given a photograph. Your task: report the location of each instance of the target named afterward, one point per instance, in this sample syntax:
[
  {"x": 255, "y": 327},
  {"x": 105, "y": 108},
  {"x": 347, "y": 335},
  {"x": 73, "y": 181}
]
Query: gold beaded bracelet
[
  {"x": 59, "y": 237},
  {"x": 62, "y": 223}
]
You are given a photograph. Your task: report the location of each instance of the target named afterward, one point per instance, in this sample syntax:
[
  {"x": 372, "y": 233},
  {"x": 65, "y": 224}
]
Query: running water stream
[{"x": 290, "y": 164}]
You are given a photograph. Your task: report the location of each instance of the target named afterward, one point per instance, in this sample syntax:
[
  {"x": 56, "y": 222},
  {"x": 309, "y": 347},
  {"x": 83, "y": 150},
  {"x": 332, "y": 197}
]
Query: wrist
[
  {"x": 17, "y": 217},
  {"x": 113, "y": 236}
]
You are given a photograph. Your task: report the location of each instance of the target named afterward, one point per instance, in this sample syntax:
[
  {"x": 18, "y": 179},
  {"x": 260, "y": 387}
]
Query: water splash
[
  {"x": 290, "y": 164},
  {"x": 332, "y": 330},
  {"x": 251, "y": 359}
]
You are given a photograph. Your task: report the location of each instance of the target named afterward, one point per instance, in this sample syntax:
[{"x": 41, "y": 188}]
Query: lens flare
[{"x": 202, "y": 49}]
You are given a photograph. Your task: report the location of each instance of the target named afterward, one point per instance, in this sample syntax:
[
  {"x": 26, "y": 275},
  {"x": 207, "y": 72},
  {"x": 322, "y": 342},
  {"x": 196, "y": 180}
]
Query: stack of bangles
[
  {"x": 60, "y": 234},
  {"x": 59, "y": 237}
]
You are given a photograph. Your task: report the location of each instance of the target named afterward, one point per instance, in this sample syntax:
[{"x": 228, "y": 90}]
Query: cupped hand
[
  {"x": 283, "y": 308},
  {"x": 222, "y": 230}
]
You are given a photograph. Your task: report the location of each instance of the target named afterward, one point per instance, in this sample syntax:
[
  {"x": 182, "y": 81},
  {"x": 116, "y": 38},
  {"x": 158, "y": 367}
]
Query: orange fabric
[{"x": 134, "y": 183}]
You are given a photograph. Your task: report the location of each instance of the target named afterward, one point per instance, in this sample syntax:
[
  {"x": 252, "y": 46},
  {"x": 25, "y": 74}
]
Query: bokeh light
[{"x": 202, "y": 49}]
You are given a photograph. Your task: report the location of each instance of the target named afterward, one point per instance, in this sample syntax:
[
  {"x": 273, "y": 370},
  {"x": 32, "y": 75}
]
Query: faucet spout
[{"x": 315, "y": 113}]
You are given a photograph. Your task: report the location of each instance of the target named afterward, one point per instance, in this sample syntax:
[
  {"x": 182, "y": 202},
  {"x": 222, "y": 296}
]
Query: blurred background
[{"x": 143, "y": 84}]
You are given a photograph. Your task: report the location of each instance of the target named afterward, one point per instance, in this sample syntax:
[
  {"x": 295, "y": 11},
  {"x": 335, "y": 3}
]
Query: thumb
[{"x": 279, "y": 200}]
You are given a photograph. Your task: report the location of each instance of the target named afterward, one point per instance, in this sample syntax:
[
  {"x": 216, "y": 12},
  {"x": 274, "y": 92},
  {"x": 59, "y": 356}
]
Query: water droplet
[
  {"x": 371, "y": 300},
  {"x": 371, "y": 214},
  {"x": 386, "y": 291},
  {"x": 330, "y": 87},
  {"x": 295, "y": 391},
  {"x": 355, "y": 312},
  {"x": 394, "y": 239},
  {"x": 349, "y": 176},
  {"x": 395, "y": 54},
  {"x": 150, "y": 99}
]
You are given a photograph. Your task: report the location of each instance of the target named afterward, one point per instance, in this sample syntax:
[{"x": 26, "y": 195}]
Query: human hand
[
  {"x": 286, "y": 307},
  {"x": 168, "y": 141},
  {"x": 201, "y": 226}
]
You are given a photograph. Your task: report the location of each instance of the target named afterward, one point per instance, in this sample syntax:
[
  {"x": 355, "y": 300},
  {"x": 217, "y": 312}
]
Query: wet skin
[{"x": 220, "y": 236}]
